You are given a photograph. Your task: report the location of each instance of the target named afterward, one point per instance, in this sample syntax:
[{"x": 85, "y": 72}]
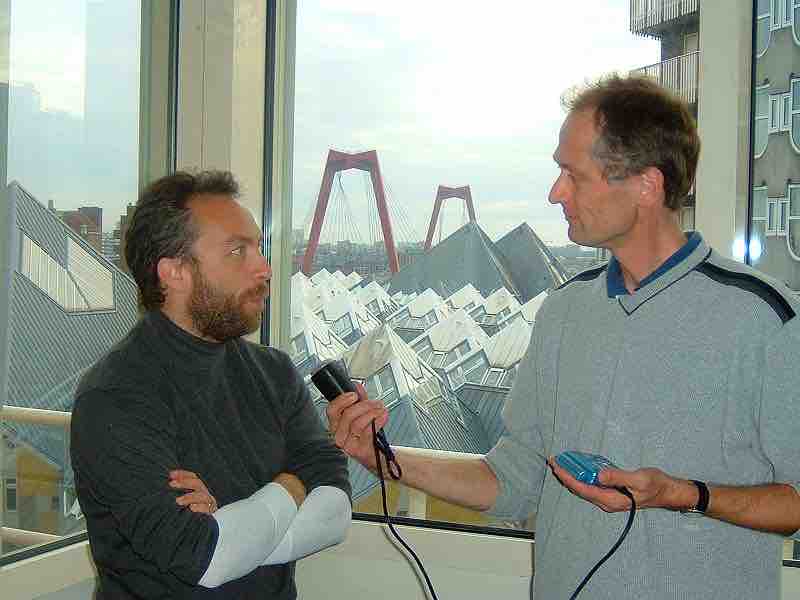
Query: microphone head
[{"x": 332, "y": 379}]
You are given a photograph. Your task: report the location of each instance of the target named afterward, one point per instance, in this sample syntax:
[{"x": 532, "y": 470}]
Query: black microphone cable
[
  {"x": 382, "y": 447},
  {"x": 617, "y": 544}
]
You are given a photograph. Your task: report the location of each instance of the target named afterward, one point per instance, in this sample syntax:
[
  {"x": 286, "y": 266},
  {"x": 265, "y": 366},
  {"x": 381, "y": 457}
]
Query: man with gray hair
[{"x": 670, "y": 360}]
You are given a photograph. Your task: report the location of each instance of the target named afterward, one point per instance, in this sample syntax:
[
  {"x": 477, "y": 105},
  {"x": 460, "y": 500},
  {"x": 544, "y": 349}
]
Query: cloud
[{"x": 451, "y": 93}]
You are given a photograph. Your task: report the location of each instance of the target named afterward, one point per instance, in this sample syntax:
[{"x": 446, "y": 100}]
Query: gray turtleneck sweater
[{"x": 237, "y": 414}]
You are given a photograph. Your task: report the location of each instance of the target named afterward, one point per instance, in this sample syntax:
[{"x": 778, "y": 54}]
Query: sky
[
  {"x": 450, "y": 93},
  {"x": 446, "y": 92},
  {"x": 73, "y": 134}
]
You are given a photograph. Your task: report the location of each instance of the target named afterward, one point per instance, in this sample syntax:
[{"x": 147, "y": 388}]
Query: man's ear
[
  {"x": 651, "y": 190},
  {"x": 174, "y": 274}
]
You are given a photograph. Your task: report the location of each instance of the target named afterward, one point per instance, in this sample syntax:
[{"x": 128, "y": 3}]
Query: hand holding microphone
[{"x": 351, "y": 414}]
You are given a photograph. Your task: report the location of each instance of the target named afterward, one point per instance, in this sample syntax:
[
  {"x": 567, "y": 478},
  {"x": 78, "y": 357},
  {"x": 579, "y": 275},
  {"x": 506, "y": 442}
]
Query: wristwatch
[{"x": 702, "y": 501}]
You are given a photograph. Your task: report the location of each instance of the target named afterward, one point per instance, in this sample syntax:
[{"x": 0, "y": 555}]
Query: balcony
[
  {"x": 678, "y": 74},
  {"x": 653, "y": 17}
]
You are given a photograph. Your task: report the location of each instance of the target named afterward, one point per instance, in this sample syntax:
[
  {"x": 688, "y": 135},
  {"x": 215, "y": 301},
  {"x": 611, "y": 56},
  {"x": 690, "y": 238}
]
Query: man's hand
[
  {"x": 651, "y": 488},
  {"x": 198, "y": 498},
  {"x": 293, "y": 485},
  {"x": 350, "y": 417}
]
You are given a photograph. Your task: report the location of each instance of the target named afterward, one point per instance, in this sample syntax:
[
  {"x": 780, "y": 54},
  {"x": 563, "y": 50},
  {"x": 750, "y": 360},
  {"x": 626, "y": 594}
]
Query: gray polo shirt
[{"x": 692, "y": 374}]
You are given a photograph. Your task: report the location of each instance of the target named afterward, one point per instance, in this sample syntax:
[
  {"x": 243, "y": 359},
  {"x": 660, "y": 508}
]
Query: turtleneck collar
[{"x": 179, "y": 348}]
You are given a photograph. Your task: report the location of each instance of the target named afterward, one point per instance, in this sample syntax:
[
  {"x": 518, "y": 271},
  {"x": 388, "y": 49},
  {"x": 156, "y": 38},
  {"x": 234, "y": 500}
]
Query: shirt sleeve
[
  {"x": 779, "y": 420},
  {"x": 311, "y": 454},
  {"x": 123, "y": 445},
  {"x": 518, "y": 458},
  {"x": 321, "y": 522},
  {"x": 249, "y": 531}
]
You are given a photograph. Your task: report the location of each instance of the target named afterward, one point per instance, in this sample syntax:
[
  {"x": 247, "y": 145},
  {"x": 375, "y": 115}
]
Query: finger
[
  {"x": 204, "y": 507},
  {"x": 182, "y": 474},
  {"x": 338, "y": 405},
  {"x": 362, "y": 392},
  {"x": 194, "y": 498},
  {"x": 188, "y": 484},
  {"x": 361, "y": 425},
  {"x": 380, "y": 421},
  {"x": 353, "y": 412}
]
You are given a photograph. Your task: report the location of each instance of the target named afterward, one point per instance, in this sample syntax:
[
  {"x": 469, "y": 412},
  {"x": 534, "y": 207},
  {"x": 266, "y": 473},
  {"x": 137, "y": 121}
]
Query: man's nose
[
  {"x": 264, "y": 270},
  {"x": 557, "y": 190}
]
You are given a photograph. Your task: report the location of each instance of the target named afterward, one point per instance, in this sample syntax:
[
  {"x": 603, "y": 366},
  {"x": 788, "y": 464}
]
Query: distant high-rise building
[{"x": 87, "y": 222}]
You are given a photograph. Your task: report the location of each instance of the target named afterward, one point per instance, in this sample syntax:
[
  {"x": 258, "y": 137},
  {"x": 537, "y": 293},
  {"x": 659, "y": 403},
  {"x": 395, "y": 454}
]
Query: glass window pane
[
  {"x": 493, "y": 377},
  {"x": 762, "y": 35},
  {"x": 71, "y": 157},
  {"x": 784, "y": 210},
  {"x": 796, "y": 130},
  {"x": 387, "y": 379},
  {"x": 761, "y": 137},
  {"x": 508, "y": 380},
  {"x": 476, "y": 374},
  {"x": 794, "y": 238},
  {"x": 794, "y": 202},
  {"x": 762, "y": 103},
  {"x": 774, "y": 112},
  {"x": 759, "y": 203},
  {"x": 394, "y": 55},
  {"x": 371, "y": 386}
]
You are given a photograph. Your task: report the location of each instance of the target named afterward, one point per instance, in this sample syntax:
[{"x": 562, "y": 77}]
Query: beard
[{"x": 220, "y": 315}]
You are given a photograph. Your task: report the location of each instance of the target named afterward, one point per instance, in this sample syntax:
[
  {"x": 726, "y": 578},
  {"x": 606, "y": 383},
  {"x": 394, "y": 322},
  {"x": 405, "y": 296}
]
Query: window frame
[
  {"x": 794, "y": 89},
  {"x": 789, "y": 219},
  {"x": 10, "y": 484},
  {"x": 766, "y": 16},
  {"x": 764, "y": 91}
]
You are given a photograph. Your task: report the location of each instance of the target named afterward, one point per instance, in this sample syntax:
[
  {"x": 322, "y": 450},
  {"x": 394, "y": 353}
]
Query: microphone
[{"x": 332, "y": 380}]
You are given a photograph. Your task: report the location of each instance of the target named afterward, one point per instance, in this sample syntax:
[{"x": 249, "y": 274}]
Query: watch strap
[{"x": 702, "y": 500}]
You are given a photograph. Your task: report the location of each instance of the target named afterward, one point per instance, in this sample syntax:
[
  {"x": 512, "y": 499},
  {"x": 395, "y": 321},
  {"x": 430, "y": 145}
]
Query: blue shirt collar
[{"x": 616, "y": 283}]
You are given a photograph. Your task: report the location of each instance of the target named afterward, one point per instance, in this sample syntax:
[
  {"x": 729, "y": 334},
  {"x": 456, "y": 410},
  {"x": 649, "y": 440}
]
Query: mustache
[{"x": 259, "y": 290}]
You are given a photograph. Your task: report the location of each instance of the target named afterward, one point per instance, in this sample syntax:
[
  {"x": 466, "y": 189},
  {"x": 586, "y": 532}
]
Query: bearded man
[{"x": 200, "y": 463}]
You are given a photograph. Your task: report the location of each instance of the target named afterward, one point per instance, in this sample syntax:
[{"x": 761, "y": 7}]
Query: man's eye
[{"x": 238, "y": 251}]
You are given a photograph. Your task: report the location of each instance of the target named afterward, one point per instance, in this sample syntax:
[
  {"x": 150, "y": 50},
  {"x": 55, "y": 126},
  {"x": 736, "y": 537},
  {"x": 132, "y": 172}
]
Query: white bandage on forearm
[
  {"x": 249, "y": 531},
  {"x": 322, "y": 521}
]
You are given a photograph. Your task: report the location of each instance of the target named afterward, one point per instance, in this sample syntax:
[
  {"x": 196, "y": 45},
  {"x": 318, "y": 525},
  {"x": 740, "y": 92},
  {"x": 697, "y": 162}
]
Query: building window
[
  {"x": 763, "y": 29},
  {"x": 780, "y": 112},
  {"x": 493, "y": 377},
  {"x": 456, "y": 353},
  {"x": 508, "y": 380},
  {"x": 11, "y": 494},
  {"x": 299, "y": 348},
  {"x": 794, "y": 111},
  {"x": 382, "y": 386},
  {"x": 424, "y": 349},
  {"x": 761, "y": 129},
  {"x": 83, "y": 284},
  {"x": 343, "y": 326},
  {"x": 781, "y": 14},
  {"x": 796, "y": 22},
  {"x": 793, "y": 226}
]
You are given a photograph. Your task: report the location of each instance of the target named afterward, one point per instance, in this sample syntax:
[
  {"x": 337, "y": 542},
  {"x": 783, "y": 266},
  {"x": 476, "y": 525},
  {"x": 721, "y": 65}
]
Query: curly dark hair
[
  {"x": 162, "y": 226},
  {"x": 640, "y": 124}
]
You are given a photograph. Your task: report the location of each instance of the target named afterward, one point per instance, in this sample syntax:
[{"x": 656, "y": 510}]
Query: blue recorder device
[{"x": 583, "y": 466}]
